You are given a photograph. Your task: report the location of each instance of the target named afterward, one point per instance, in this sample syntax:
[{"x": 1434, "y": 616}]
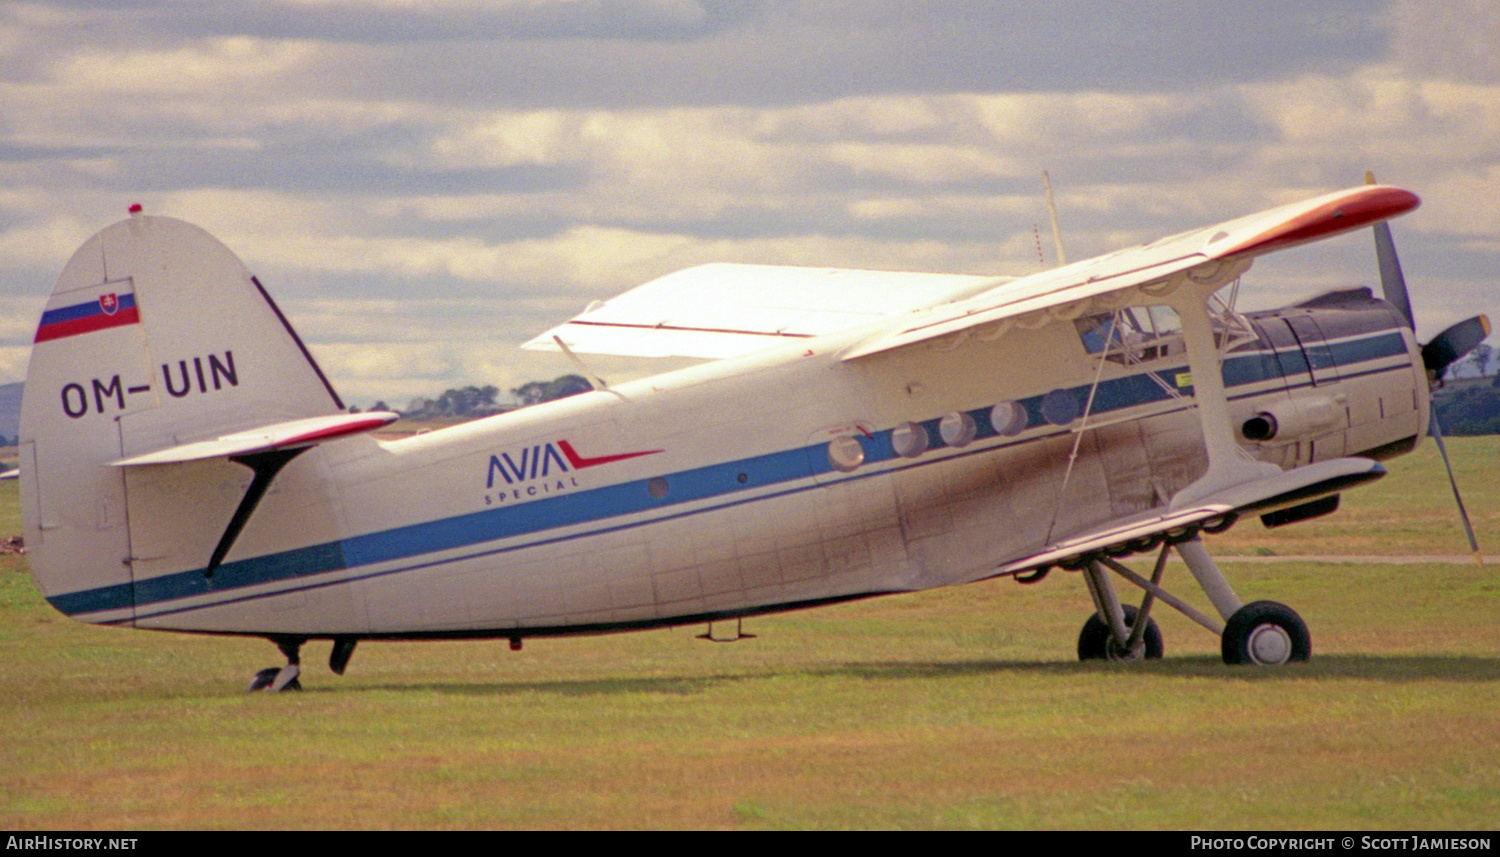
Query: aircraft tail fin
[{"x": 156, "y": 337}]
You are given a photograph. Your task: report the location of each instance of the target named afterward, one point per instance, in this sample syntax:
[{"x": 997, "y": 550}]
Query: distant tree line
[
  {"x": 461, "y": 402},
  {"x": 1473, "y": 408},
  {"x": 472, "y": 402},
  {"x": 1475, "y": 364},
  {"x": 561, "y": 387},
  {"x": 1467, "y": 405}
]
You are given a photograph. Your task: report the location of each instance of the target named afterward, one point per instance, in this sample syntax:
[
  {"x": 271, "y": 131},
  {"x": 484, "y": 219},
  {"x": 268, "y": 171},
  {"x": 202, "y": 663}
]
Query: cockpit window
[{"x": 1132, "y": 334}]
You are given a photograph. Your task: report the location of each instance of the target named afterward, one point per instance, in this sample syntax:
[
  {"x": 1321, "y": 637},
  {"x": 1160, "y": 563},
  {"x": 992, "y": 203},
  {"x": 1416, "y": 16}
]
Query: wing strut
[
  {"x": 587, "y": 372},
  {"x": 1227, "y": 464},
  {"x": 1088, "y": 408}
]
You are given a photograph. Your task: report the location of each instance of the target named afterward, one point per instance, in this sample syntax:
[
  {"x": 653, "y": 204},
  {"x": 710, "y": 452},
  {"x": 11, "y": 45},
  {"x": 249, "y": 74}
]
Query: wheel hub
[
  {"x": 1121, "y": 652},
  {"x": 1270, "y": 644}
]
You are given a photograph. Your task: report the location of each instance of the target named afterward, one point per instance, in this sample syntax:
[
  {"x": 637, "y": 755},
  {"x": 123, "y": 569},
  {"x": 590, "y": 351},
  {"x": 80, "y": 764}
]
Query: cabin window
[
  {"x": 957, "y": 429},
  {"x": 845, "y": 454},
  {"x": 1008, "y": 419},
  {"x": 1061, "y": 406},
  {"x": 909, "y": 440},
  {"x": 1132, "y": 334}
]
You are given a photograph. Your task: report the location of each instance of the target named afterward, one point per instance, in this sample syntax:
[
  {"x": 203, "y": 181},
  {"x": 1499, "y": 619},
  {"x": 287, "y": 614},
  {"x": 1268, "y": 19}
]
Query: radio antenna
[{"x": 1062, "y": 257}]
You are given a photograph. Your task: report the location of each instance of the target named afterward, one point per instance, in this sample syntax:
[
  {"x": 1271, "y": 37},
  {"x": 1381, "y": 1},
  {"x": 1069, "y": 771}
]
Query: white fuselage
[{"x": 710, "y": 492}]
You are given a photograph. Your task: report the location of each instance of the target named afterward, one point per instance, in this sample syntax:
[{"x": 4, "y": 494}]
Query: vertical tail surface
[{"x": 155, "y": 336}]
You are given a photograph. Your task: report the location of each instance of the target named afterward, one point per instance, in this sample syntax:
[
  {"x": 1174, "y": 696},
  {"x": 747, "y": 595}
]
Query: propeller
[
  {"x": 1442, "y": 350},
  {"x": 1453, "y": 343}
]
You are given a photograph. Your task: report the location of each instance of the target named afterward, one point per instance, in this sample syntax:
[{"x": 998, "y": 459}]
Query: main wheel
[
  {"x": 1265, "y": 633},
  {"x": 1096, "y": 643}
]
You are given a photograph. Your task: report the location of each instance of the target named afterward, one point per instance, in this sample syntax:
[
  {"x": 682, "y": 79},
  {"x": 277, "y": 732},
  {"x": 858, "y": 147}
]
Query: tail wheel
[
  {"x": 1265, "y": 633},
  {"x": 266, "y": 679},
  {"x": 1097, "y": 643}
]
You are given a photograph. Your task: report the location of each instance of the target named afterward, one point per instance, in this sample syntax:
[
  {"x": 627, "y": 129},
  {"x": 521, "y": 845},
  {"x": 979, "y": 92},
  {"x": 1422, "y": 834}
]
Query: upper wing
[
  {"x": 725, "y": 310},
  {"x": 1200, "y": 254}
]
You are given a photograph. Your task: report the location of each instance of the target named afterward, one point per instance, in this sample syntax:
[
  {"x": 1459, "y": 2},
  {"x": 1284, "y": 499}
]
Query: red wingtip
[{"x": 1357, "y": 208}]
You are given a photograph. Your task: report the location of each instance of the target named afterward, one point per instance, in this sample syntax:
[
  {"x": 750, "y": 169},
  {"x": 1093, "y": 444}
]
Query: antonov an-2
[{"x": 186, "y": 465}]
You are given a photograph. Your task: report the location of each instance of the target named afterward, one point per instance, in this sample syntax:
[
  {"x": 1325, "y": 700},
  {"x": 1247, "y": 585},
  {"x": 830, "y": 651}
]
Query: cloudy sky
[{"x": 424, "y": 184}]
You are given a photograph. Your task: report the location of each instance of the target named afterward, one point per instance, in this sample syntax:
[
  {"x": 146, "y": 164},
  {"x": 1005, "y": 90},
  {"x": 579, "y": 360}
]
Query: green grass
[{"x": 958, "y": 708}]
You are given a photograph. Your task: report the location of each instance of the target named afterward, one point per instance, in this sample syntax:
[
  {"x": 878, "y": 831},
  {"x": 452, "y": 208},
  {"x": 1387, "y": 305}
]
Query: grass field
[{"x": 959, "y": 708}]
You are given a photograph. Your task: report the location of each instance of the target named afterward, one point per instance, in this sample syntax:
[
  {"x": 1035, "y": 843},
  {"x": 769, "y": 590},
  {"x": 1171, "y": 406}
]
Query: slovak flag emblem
[{"x": 63, "y": 318}]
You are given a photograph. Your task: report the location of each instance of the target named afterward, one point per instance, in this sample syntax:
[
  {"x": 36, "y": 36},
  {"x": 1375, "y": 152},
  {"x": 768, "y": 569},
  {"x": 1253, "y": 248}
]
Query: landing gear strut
[
  {"x": 1096, "y": 642},
  {"x": 1117, "y": 632},
  {"x": 285, "y": 678},
  {"x": 1263, "y": 632}
]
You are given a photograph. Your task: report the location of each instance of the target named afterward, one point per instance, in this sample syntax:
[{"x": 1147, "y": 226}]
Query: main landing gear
[
  {"x": 285, "y": 678},
  {"x": 1262, "y": 632}
]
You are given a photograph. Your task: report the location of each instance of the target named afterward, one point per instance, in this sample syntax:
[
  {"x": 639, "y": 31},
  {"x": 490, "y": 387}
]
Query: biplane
[{"x": 186, "y": 465}]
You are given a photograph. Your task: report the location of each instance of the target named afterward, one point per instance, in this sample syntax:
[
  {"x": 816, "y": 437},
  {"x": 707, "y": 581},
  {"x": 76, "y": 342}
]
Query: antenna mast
[{"x": 1062, "y": 257}]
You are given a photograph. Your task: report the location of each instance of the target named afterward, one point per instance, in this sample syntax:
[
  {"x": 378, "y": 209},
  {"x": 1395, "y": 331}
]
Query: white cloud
[{"x": 1454, "y": 39}]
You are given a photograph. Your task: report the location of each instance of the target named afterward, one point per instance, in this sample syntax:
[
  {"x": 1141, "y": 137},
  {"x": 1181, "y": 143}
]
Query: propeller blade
[
  {"x": 1453, "y": 343},
  {"x": 1444, "y": 348},
  {"x": 1392, "y": 282},
  {"x": 1463, "y": 514}
]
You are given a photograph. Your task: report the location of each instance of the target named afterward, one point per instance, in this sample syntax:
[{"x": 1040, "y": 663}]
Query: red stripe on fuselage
[{"x": 578, "y": 462}]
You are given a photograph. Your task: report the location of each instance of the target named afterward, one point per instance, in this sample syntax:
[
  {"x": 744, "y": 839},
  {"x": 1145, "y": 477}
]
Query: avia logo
[{"x": 548, "y": 459}]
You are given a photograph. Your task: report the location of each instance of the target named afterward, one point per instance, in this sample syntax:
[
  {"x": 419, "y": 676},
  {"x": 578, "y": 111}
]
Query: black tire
[
  {"x": 1096, "y": 643},
  {"x": 1265, "y": 633}
]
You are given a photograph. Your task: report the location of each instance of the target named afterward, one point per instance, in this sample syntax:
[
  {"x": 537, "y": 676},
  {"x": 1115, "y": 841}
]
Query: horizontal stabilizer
[
  {"x": 287, "y": 435},
  {"x": 725, "y": 310},
  {"x": 1213, "y": 512}
]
